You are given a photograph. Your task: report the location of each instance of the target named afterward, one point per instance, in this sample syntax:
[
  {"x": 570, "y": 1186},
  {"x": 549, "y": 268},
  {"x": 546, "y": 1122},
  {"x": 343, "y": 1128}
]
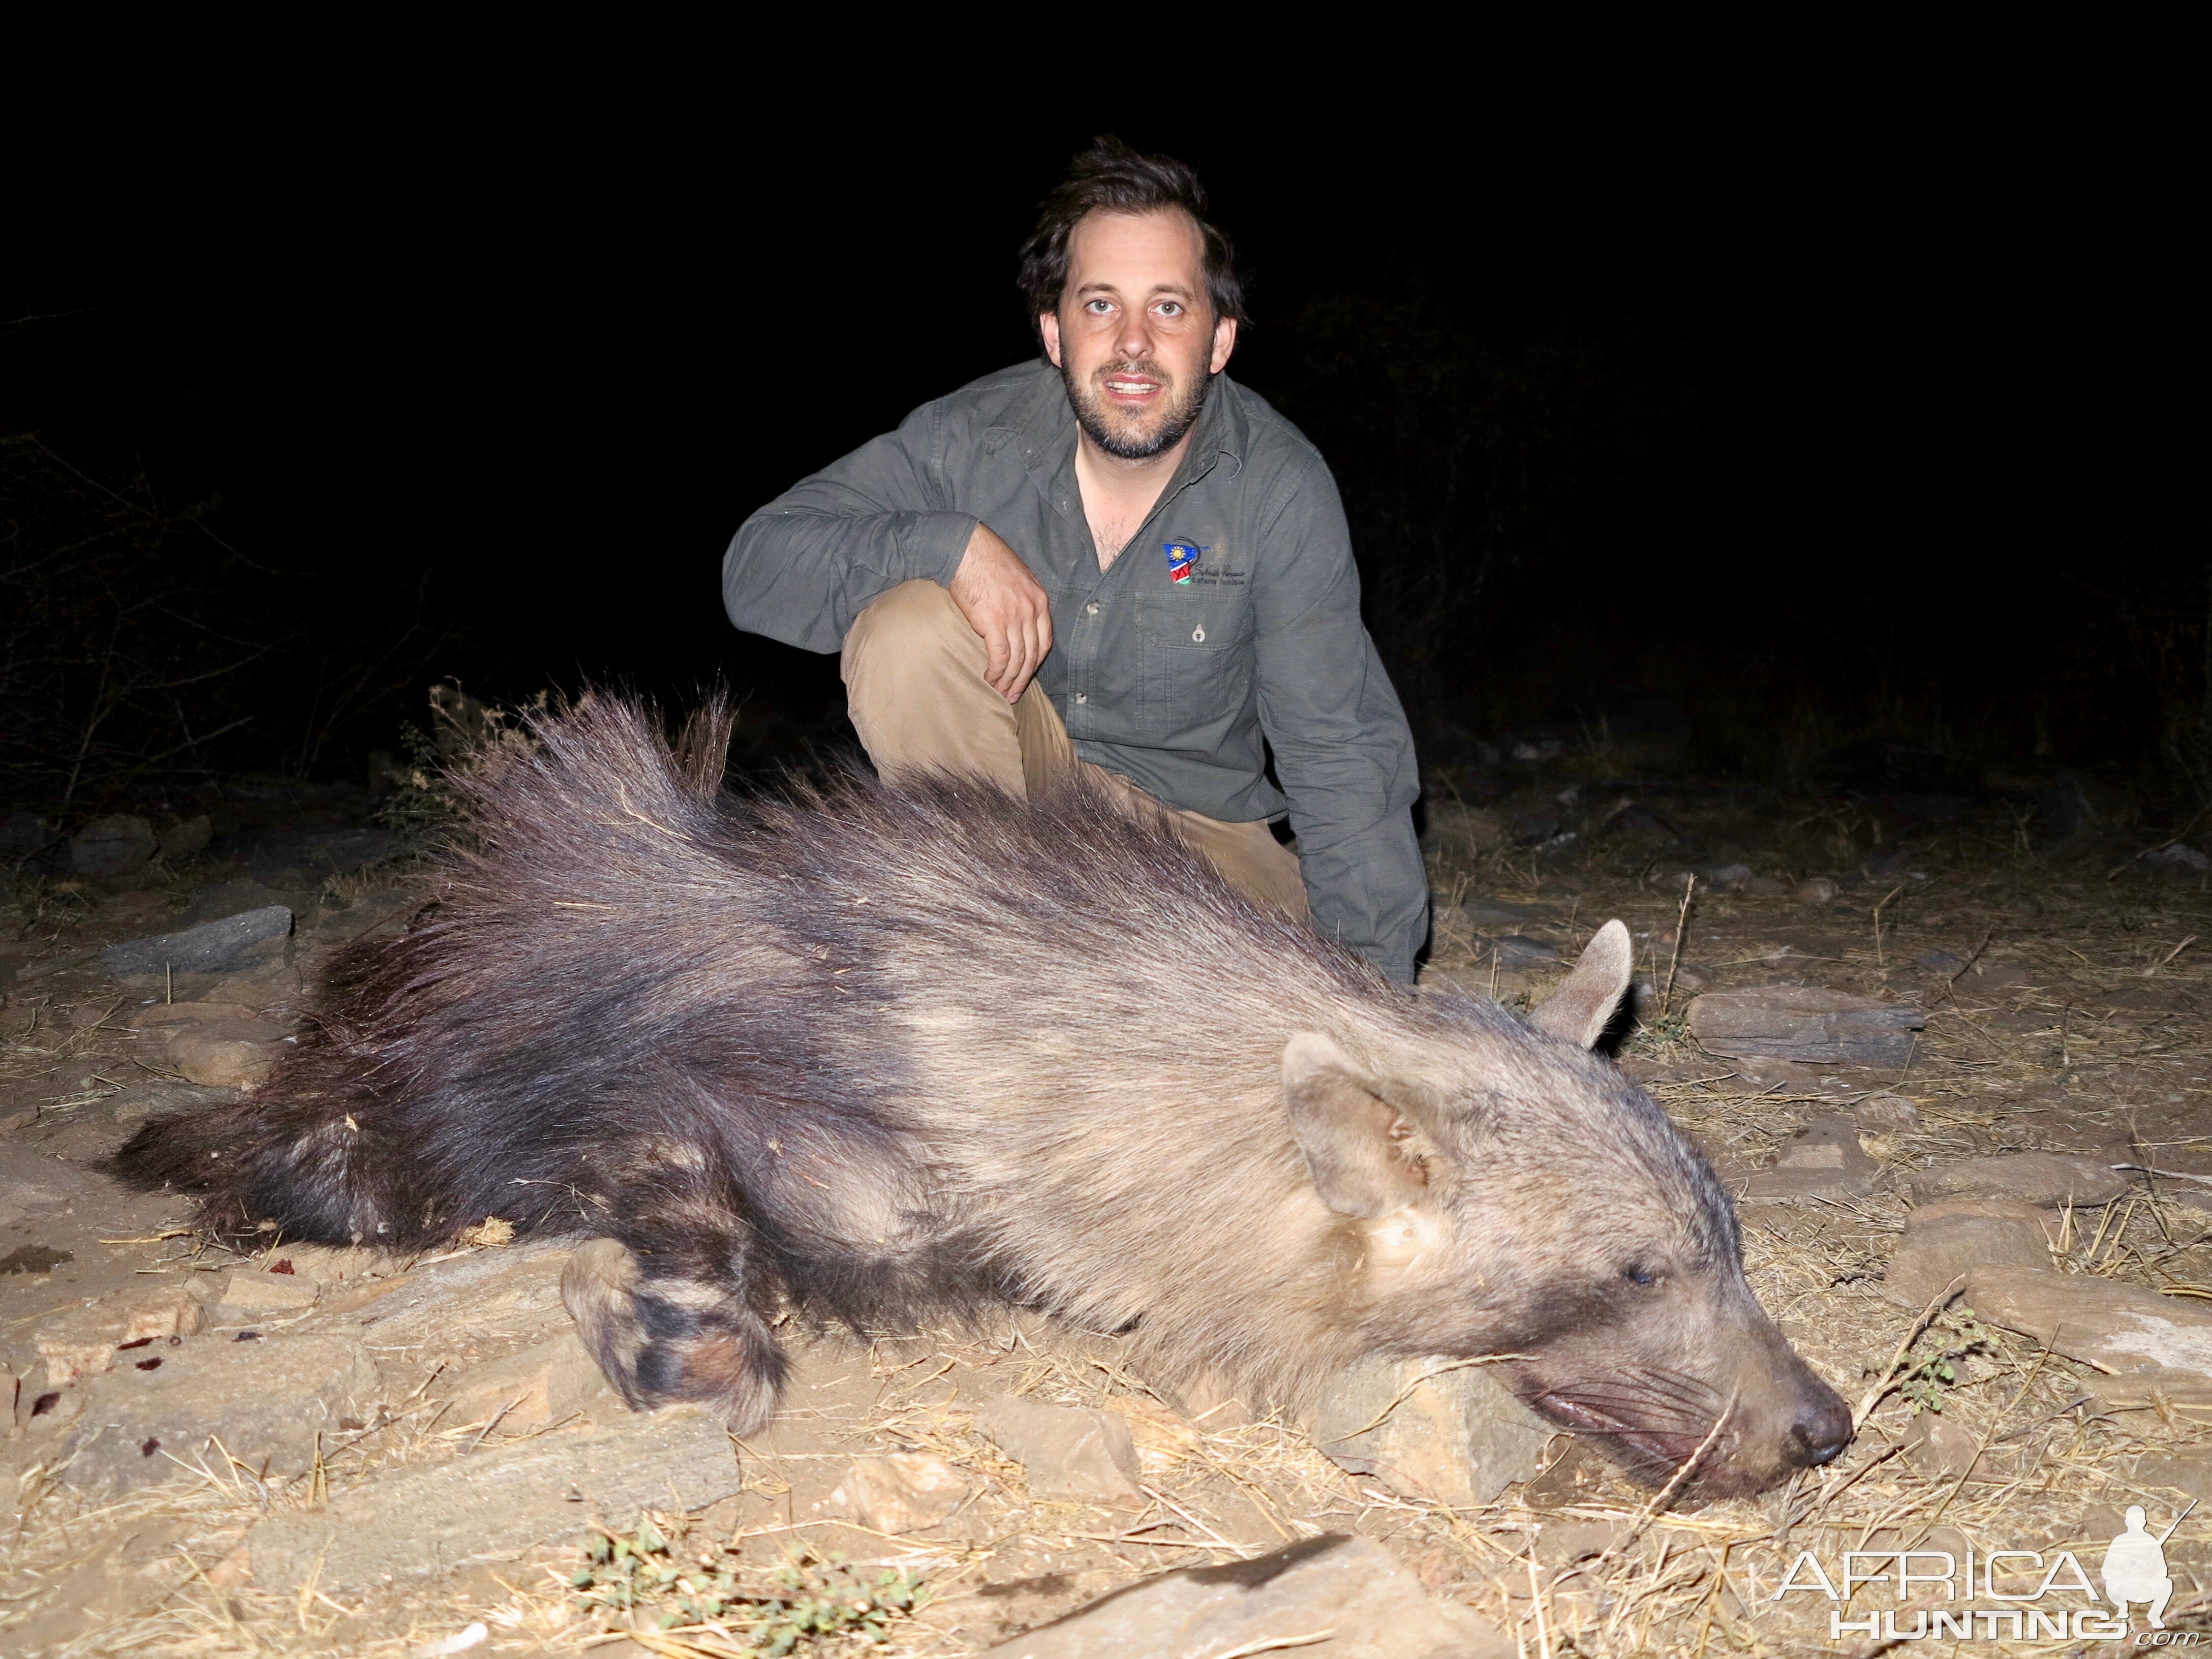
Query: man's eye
[
  {"x": 1170, "y": 308},
  {"x": 1098, "y": 307}
]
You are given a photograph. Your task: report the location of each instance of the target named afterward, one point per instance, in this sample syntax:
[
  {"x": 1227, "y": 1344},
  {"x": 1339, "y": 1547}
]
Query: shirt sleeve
[
  {"x": 1343, "y": 751},
  {"x": 801, "y": 568}
]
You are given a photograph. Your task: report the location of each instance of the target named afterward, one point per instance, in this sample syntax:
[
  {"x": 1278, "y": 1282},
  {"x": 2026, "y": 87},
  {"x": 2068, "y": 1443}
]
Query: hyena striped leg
[{"x": 674, "y": 1306}]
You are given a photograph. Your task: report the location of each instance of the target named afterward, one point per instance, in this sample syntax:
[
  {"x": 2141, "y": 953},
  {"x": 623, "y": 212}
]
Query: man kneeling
[{"x": 970, "y": 566}]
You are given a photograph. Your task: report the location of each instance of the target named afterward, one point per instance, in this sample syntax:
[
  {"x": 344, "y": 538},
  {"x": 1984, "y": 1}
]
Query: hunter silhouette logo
[
  {"x": 2027, "y": 1589},
  {"x": 2135, "y": 1567}
]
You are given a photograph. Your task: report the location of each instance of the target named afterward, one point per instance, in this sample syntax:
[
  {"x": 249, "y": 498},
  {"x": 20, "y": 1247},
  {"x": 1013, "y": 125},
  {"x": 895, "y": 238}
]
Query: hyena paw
[{"x": 661, "y": 1340}]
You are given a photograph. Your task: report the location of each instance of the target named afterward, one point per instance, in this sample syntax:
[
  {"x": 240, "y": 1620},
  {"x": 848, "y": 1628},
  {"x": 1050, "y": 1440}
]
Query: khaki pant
[{"x": 914, "y": 686}]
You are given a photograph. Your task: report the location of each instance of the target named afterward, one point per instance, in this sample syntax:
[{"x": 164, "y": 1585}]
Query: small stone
[
  {"x": 1456, "y": 1435},
  {"x": 1352, "y": 1586},
  {"x": 1518, "y": 950},
  {"x": 1803, "y": 1023},
  {"x": 1066, "y": 1452},
  {"x": 213, "y": 947},
  {"x": 112, "y": 845},
  {"x": 181, "y": 841},
  {"x": 1940, "y": 1448},
  {"x": 1941, "y": 961},
  {"x": 249, "y": 1296},
  {"x": 228, "y": 1054},
  {"x": 172, "y": 1313},
  {"x": 1886, "y": 1114},
  {"x": 1826, "y": 1143},
  {"x": 900, "y": 1493},
  {"x": 1821, "y": 890},
  {"x": 2044, "y": 1180},
  {"x": 2023, "y": 904},
  {"x": 1497, "y": 913},
  {"x": 1764, "y": 887}
]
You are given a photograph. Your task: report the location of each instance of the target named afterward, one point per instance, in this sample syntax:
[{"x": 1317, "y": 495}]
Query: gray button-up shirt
[{"x": 1168, "y": 669}]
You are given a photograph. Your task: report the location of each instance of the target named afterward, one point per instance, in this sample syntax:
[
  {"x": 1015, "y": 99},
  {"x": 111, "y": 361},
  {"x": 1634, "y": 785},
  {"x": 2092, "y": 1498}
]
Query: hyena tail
[{"x": 307, "y": 1170}]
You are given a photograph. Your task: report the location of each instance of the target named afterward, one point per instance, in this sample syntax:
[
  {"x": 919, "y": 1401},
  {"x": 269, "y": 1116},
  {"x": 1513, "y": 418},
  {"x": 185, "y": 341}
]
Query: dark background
[{"x": 1762, "y": 440}]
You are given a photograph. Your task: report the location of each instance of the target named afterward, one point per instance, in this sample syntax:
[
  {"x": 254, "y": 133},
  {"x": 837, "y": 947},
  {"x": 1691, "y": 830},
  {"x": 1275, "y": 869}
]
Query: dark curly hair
[{"x": 1111, "y": 177}]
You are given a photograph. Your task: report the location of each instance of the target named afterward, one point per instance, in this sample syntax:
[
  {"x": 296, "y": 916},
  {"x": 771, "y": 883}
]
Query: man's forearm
[
  {"x": 801, "y": 573},
  {"x": 1369, "y": 892}
]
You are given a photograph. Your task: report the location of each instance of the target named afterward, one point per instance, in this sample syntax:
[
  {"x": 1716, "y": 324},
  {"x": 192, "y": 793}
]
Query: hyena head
[{"x": 1500, "y": 1190}]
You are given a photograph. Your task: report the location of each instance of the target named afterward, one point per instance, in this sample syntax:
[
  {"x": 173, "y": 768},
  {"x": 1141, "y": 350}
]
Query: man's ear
[
  {"x": 1361, "y": 1150},
  {"x": 1225, "y": 342},
  {"x": 1582, "y": 1007},
  {"x": 1049, "y": 331}
]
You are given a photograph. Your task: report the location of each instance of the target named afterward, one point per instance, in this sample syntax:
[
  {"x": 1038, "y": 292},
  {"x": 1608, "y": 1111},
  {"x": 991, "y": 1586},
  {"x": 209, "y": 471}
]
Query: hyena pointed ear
[
  {"x": 1356, "y": 1142},
  {"x": 1581, "y": 1009}
]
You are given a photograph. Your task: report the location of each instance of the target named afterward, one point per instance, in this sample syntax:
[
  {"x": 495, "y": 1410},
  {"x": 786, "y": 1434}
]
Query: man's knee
[{"x": 913, "y": 628}]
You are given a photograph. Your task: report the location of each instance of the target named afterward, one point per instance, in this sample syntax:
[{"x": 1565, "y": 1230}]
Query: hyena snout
[{"x": 1819, "y": 1430}]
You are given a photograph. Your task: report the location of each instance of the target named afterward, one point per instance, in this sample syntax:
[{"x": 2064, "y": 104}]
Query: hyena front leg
[{"x": 675, "y": 1304}]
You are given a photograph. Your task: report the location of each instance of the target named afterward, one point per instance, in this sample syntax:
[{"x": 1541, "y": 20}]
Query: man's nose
[{"x": 1134, "y": 339}]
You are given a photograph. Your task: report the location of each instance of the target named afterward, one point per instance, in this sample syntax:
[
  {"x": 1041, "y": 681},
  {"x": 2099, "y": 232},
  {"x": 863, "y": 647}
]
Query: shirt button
[
  {"x": 1081, "y": 696},
  {"x": 1091, "y": 609}
]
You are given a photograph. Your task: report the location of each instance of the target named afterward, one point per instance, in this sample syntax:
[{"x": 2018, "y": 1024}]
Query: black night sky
[{"x": 1870, "y": 426}]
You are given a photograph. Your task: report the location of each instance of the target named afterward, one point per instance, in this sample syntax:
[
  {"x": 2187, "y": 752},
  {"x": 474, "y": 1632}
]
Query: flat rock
[
  {"x": 1947, "y": 1243},
  {"x": 497, "y": 1502},
  {"x": 1349, "y": 1591},
  {"x": 1454, "y": 1436},
  {"x": 1497, "y": 913},
  {"x": 210, "y": 948},
  {"x": 1805, "y": 1023},
  {"x": 2047, "y": 1180},
  {"x": 899, "y": 1492},
  {"x": 533, "y": 1389},
  {"x": 2122, "y": 1328},
  {"x": 267, "y": 1400},
  {"x": 1066, "y": 1451}
]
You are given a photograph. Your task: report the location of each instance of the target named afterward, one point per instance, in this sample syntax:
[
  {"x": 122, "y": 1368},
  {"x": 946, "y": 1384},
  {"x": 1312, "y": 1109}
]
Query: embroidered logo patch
[{"x": 1182, "y": 558}]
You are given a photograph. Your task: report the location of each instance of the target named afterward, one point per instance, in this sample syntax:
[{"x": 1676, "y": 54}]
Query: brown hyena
[{"x": 876, "y": 1051}]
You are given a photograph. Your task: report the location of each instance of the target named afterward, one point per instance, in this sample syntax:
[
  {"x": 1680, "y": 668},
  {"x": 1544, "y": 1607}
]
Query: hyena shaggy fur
[{"x": 874, "y": 1052}]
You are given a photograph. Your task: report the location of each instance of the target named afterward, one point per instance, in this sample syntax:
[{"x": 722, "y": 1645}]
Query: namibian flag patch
[{"x": 1182, "y": 558}]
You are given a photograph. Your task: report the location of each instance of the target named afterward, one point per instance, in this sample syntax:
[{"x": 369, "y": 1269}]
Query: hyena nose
[{"x": 1820, "y": 1431}]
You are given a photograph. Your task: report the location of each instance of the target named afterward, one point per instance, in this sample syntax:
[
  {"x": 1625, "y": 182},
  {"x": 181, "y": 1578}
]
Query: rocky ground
[{"x": 1955, "y": 1073}]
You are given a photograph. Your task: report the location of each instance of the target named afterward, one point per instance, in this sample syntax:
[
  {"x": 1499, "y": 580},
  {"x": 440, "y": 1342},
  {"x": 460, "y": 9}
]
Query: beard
[{"x": 1128, "y": 435}]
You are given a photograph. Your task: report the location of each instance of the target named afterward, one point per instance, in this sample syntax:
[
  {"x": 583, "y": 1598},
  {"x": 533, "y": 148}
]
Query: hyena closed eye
[{"x": 872, "y": 1053}]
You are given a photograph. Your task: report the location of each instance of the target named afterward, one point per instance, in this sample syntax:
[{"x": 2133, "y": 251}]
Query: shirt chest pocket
[{"x": 1197, "y": 651}]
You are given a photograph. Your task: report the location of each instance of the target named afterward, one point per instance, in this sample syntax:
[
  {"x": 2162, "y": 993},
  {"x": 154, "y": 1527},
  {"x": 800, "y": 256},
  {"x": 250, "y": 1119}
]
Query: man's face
[{"x": 1135, "y": 337}]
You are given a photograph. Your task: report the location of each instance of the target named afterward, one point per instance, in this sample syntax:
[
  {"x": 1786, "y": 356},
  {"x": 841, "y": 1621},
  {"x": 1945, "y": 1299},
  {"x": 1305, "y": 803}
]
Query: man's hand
[{"x": 1003, "y": 603}]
